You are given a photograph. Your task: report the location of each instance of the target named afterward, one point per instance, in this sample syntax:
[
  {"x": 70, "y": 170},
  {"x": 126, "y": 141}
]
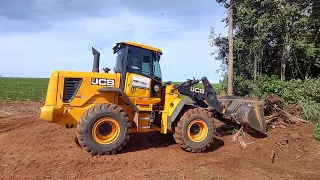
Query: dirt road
[{"x": 34, "y": 149}]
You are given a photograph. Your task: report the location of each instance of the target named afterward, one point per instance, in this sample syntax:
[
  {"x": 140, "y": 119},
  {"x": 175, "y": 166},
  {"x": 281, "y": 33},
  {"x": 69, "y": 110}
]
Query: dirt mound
[{"x": 34, "y": 149}]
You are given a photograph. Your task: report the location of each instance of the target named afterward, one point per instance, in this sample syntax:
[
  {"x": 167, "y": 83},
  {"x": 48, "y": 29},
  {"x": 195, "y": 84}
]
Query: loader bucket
[{"x": 249, "y": 113}]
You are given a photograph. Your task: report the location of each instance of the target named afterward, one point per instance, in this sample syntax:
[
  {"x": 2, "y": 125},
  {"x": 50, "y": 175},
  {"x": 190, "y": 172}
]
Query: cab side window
[
  {"x": 157, "y": 70},
  {"x": 119, "y": 60},
  {"x": 156, "y": 67},
  {"x": 139, "y": 61},
  {"x": 146, "y": 70}
]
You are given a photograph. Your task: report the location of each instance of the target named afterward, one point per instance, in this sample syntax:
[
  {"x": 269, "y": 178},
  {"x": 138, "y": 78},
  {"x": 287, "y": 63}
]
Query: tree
[
  {"x": 230, "y": 59},
  {"x": 272, "y": 37}
]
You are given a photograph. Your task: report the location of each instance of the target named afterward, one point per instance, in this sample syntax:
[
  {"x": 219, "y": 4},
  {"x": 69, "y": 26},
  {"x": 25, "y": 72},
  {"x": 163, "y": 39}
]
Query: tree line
[{"x": 273, "y": 38}]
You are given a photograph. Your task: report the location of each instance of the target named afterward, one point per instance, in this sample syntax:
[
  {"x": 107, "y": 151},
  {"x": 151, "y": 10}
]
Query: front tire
[
  {"x": 195, "y": 130},
  {"x": 104, "y": 129}
]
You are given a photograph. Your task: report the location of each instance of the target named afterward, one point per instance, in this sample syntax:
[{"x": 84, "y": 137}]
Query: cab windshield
[{"x": 139, "y": 61}]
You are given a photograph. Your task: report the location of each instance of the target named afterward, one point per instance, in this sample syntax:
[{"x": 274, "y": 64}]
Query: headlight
[{"x": 156, "y": 88}]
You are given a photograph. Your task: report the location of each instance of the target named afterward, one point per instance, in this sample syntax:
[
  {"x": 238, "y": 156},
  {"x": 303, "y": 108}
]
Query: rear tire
[
  {"x": 104, "y": 129},
  {"x": 195, "y": 130}
]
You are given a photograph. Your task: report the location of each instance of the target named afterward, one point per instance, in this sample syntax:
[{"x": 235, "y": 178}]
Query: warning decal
[{"x": 140, "y": 82}]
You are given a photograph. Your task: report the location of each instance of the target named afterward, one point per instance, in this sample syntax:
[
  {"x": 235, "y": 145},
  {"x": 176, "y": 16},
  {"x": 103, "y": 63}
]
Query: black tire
[
  {"x": 91, "y": 116},
  {"x": 181, "y": 130}
]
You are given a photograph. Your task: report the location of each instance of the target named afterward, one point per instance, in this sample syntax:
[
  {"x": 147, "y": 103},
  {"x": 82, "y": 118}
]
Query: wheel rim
[
  {"x": 197, "y": 130},
  {"x": 106, "y": 131}
]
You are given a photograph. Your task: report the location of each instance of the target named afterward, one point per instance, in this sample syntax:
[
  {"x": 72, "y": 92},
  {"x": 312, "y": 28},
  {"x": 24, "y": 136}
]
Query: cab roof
[{"x": 142, "y": 46}]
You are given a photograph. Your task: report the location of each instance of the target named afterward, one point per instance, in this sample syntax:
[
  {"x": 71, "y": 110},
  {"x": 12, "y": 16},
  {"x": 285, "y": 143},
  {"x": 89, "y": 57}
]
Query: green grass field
[
  {"x": 35, "y": 89},
  {"x": 23, "y": 89}
]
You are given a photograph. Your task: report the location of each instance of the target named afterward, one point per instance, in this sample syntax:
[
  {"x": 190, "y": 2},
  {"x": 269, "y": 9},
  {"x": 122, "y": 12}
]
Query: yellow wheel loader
[{"x": 107, "y": 107}]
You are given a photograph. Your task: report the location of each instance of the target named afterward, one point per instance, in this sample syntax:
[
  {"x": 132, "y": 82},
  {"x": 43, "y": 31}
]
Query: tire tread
[
  {"x": 178, "y": 134},
  {"x": 81, "y": 130}
]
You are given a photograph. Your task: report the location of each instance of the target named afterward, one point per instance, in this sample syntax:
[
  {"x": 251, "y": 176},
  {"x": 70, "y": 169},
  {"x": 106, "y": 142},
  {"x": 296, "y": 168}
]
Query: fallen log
[{"x": 271, "y": 118}]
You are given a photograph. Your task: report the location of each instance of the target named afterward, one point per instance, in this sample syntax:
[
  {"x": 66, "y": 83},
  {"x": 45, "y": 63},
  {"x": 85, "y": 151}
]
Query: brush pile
[{"x": 277, "y": 113}]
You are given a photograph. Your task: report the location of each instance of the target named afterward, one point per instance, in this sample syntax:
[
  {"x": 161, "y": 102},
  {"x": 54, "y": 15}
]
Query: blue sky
[{"x": 39, "y": 36}]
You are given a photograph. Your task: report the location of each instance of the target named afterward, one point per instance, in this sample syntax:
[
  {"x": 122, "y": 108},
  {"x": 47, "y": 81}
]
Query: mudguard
[{"x": 122, "y": 95}]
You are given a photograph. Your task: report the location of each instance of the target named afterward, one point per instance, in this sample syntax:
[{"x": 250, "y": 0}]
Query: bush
[
  {"x": 307, "y": 93},
  {"x": 265, "y": 86},
  {"x": 241, "y": 85},
  {"x": 311, "y": 111},
  {"x": 268, "y": 86},
  {"x": 262, "y": 88},
  {"x": 292, "y": 91},
  {"x": 316, "y": 133},
  {"x": 297, "y": 90}
]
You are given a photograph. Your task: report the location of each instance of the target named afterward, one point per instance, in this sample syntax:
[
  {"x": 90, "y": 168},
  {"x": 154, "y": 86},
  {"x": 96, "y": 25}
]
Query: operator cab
[
  {"x": 139, "y": 59},
  {"x": 143, "y": 62}
]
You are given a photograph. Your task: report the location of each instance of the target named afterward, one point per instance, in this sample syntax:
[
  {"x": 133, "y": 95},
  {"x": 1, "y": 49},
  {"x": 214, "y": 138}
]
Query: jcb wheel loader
[{"x": 106, "y": 108}]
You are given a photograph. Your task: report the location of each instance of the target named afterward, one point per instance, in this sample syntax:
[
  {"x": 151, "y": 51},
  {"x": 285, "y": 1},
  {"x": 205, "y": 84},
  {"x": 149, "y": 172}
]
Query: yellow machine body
[
  {"x": 106, "y": 107},
  {"x": 67, "y": 114}
]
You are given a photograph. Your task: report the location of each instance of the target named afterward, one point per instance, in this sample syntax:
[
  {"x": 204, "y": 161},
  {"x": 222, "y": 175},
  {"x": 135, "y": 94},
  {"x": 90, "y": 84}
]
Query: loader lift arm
[
  {"x": 249, "y": 113},
  {"x": 202, "y": 97}
]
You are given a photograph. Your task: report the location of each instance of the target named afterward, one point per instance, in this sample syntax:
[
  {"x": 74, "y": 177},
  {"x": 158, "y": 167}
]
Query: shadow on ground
[
  {"x": 218, "y": 143},
  {"x": 144, "y": 141},
  {"x": 227, "y": 130},
  {"x": 149, "y": 140}
]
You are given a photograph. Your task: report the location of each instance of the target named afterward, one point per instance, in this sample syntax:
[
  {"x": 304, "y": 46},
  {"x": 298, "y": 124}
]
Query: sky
[{"x": 40, "y": 36}]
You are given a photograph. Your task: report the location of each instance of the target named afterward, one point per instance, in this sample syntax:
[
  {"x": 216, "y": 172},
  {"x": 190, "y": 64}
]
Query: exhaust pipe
[{"x": 96, "y": 60}]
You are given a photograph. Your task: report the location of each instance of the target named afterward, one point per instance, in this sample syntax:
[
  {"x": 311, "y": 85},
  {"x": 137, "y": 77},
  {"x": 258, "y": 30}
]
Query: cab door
[
  {"x": 137, "y": 85},
  {"x": 138, "y": 76}
]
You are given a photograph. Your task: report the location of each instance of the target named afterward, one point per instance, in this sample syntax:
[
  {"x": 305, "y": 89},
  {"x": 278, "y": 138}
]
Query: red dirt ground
[{"x": 34, "y": 149}]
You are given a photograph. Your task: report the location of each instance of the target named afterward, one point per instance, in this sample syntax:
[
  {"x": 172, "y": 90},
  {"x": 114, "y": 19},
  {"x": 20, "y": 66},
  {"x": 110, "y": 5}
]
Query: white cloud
[{"x": 66, "y": 45}]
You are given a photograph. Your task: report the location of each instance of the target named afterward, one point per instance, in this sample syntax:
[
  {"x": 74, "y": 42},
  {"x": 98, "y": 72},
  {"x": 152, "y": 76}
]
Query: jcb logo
[
  {"x": 102, "y": 82},
  {"x": 197, "y": 90}
]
